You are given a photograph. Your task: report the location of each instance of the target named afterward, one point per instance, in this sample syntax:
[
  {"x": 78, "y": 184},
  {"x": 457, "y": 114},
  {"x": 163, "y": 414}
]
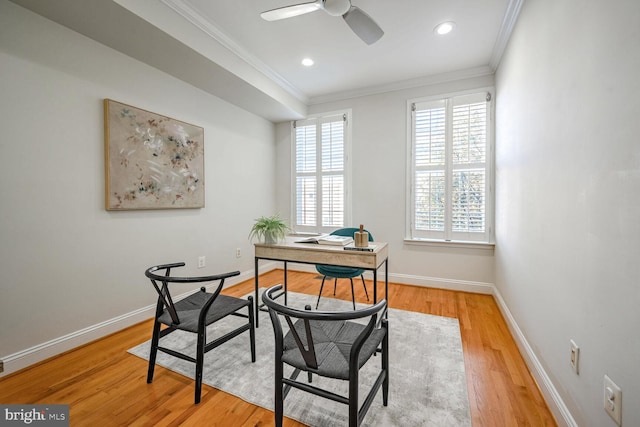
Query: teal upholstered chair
[{"x": 338, "y": 272}]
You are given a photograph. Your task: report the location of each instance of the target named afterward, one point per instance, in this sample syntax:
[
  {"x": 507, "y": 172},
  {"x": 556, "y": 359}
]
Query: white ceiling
[
  {"x": 232, "y": 53},
  {"x": 408, "y": 50}
]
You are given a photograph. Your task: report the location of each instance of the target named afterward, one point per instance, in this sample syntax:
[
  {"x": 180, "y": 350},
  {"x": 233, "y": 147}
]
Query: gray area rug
[{"x": 427, "y": 385}]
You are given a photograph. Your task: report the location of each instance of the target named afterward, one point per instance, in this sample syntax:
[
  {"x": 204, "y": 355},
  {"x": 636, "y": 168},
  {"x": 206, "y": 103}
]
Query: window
[
  {"x": 320, "y": 173},
  {"x": 450, "y": 163}
]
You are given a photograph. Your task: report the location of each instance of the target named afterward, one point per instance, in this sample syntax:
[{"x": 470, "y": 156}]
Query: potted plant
[{"x": 269, "y": 229}]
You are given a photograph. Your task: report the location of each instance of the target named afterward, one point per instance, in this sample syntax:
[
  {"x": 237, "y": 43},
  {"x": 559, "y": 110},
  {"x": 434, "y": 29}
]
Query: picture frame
[{"x": 151, "y": 161}]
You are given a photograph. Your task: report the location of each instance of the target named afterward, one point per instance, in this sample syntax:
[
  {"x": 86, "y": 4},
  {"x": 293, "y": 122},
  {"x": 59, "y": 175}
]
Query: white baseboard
[
  {"x": 442, "y": 283},
  {"x": 25, "y": 358},
  {"x": 407, "y": 279},
  {"x": 30, "y": 356},
  {"x": 557, "y": 406}
]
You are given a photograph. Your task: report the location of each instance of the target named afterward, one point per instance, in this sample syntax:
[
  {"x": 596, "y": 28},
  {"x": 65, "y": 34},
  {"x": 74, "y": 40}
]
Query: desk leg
[
  {"x": 386, "y": 279},
  {"x": 386, "y": 286},
  {"x": 375, "y": 285},
  {"x": 285, "y": 283},
  {"x": 256, "y": 299}
]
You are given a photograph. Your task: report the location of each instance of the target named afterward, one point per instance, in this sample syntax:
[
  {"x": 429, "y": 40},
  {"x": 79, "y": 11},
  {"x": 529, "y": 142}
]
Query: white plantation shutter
[
  {"x": 305, "y": 136},
  {"x": 429, "y": 181},
  {"x": 333, "y": 160},
  {"x": 450, "y": 168},
  {"x": 320, "y": 175}
]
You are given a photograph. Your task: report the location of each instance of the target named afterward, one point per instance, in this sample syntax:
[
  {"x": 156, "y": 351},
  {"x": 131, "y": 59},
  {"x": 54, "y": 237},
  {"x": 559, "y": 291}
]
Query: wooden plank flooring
[{"x": 106, "y": 386}]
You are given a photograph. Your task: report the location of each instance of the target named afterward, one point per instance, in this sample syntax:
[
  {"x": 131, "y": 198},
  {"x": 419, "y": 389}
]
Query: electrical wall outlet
[
  {"x": 238, "y": 253},
  {"x": 1, "y": 366},
  {"x": 575, "y": 356},
  {"x": 613, "y": 400},
  {"x": 201, "y": 262}
]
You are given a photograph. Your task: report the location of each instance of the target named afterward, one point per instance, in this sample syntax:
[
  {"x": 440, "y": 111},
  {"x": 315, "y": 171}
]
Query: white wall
[
  {"x": 568, "y": 170},
  {"x": 379, "y": 162},
  {"x": 66, "y": 263},
  {"x": 568, "y": 212}
]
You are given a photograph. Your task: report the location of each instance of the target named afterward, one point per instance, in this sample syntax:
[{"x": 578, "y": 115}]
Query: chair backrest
[
  {"x": 164, "y": 294},
  {"x": 307, "y": 349},
  {"x": 349, "y": 232}
]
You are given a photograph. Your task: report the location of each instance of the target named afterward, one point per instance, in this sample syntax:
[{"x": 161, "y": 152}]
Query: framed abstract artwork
[{"x": 151, "y": 161}]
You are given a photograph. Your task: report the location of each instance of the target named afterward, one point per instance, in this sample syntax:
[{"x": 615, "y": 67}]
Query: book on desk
[
  {"x": 328, "y": 239},
  {"x": 369, "y": 248}
]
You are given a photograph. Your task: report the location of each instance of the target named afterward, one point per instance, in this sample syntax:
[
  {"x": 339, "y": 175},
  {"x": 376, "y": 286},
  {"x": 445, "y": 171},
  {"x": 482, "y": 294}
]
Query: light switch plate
[
  {"x": 575, "y": 356},
  {"x": 613, "y": 400}
]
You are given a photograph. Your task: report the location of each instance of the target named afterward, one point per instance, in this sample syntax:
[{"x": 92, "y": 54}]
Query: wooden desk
[{"x": 310, "y": 253}]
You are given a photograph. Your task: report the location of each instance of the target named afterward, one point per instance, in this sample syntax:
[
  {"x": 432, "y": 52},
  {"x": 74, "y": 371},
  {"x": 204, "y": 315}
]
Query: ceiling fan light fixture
[
  {"x": 359, "y": 22},
  {"x": 336, "y": 7},
  {"x": 291, "y": 11},
  {"x": 444, "y": 28}
]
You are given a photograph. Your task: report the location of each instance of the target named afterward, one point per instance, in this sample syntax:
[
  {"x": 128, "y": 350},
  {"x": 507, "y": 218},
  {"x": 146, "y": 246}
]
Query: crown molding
[
  {"x": 196, "y": 18},
  {"x": 405, "y": 84},
  {"x": 508, "y": 23}
]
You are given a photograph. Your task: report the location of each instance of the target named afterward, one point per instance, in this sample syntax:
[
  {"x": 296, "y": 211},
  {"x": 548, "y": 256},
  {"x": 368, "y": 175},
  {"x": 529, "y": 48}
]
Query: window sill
[{"x": 483, "y": 246}]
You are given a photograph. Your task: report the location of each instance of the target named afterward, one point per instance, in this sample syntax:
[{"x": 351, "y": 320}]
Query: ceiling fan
[{"x": 359, "y": 22}]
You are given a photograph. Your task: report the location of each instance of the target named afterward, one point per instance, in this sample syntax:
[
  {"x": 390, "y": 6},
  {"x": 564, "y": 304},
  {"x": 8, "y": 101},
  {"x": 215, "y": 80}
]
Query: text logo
[{"x": 38, "y": 415}]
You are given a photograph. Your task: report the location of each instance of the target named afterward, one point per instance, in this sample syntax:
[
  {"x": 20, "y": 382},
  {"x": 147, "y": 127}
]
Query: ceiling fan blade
[
  {"x": 363, "y": 25},
  {"x": 291, "y": 11}
]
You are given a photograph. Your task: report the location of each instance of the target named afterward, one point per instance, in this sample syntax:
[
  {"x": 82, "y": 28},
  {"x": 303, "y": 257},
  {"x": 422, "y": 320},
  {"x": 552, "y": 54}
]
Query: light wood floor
[{"x": 105, "y": 386}]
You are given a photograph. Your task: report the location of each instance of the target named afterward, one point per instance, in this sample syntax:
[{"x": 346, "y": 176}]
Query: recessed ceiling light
[
  {"x": 444, "y": 28},
  {"x": 307, "y": 62}
]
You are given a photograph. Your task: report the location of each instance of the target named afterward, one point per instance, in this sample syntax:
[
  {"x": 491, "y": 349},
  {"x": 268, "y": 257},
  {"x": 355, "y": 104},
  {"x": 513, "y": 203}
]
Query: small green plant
[{"x": 269, "y": 229}]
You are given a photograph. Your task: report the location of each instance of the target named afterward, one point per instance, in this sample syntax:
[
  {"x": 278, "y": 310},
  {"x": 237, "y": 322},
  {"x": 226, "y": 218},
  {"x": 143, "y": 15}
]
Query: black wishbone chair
[
  {"x": 193, "y": 314},
  {"x": 328, "y": 344}
]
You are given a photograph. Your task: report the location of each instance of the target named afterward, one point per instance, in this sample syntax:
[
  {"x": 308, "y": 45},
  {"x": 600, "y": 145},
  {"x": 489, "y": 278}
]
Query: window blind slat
[
  {"x": 430, "y": 137},
  {"x": 305, "y": 149},
  {"x": 332, "y": 146},
  {"x": 430, "y": 200},
  {"x": 306, "y": 200},
  {"x": 469, "y": 201},
  {"x": 469, "y": 133},
  {"x": 333, "y": 201}
]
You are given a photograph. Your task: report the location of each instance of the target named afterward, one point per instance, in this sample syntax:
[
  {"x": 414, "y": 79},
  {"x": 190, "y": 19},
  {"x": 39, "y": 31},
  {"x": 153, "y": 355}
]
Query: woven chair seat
[{"x": 333, "y": 342}]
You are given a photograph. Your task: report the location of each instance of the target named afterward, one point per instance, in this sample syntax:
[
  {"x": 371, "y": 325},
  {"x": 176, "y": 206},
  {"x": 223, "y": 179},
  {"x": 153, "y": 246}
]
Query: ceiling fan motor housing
[{"x": 336, "y": 7}]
